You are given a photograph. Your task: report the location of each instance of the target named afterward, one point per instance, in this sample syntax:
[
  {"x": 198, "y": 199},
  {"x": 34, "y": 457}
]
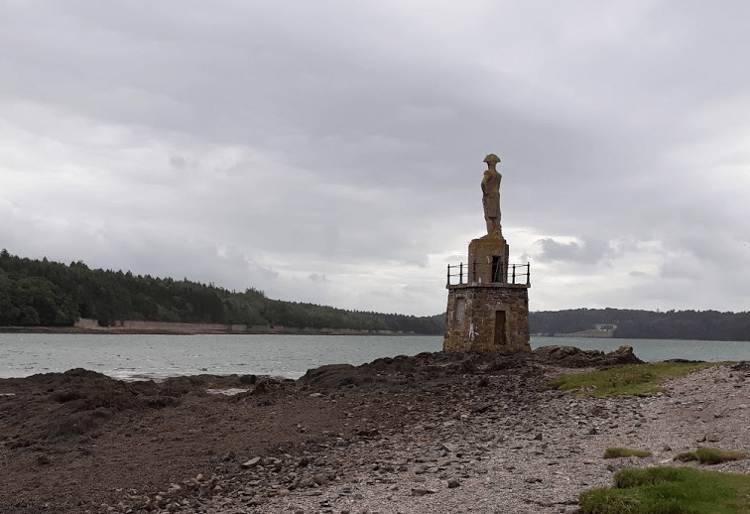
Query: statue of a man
[{"x": 491, "y": 195}]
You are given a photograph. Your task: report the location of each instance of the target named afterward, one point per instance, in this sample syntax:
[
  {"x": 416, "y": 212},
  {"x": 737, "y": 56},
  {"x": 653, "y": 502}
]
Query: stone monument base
[{"x": 487, "y": 318}]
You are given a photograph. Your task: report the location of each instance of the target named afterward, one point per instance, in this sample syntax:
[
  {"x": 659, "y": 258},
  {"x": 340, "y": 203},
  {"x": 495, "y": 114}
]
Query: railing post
[
  {"x": 461, "y": 273},
  {"x": 474, "y": 271},
  {"x": 448, "y": 278},
  {"x": 514, "y": 274},
  {"x": 528, "y": 273}
]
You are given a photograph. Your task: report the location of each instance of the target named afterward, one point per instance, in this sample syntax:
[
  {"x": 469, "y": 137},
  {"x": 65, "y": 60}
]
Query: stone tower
[{"x": 488, "y": 299}]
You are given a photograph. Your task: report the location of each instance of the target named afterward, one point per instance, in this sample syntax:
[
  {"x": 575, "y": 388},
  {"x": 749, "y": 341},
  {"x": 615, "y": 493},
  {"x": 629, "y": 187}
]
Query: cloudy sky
[{"x": 331, "y": 151}]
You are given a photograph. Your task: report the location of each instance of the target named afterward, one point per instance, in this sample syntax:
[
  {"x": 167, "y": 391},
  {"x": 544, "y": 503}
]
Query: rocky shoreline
[{"x": 431, "y": 433}]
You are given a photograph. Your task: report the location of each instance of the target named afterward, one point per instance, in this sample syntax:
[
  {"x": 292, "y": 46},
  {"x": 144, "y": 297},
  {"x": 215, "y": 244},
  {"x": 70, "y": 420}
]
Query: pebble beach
[{"x": 433, "y": 433}]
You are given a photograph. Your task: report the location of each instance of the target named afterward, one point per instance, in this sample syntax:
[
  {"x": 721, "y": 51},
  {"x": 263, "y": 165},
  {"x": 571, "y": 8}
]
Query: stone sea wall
[{"x": 162, "y": 326}]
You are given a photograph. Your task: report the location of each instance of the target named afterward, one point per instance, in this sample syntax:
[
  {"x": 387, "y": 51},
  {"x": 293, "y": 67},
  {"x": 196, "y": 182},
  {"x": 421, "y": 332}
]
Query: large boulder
[
  {"x": 623, "y": 355},
  {"x": 572, "y": 356},
  {"x": 331, "y": 376}
]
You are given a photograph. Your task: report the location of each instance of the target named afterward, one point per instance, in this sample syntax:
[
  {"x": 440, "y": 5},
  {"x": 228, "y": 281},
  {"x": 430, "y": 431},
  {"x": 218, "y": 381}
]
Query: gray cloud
[
  {"x": 261, "y": 145},
  {"x": 314, "y": 277},
  {"x": 588, "y": 251}
]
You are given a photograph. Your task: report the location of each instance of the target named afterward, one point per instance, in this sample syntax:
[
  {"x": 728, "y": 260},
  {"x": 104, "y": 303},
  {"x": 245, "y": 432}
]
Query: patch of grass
[
  {"x": 627, "y": 380},
  {"x": 710, "y": 456},
  {"x": 616, "y": 452},
  {"x": 673, "y": 490}
]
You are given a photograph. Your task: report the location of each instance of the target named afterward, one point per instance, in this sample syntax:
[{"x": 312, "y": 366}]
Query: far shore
[{"x": 203, "y": 331}]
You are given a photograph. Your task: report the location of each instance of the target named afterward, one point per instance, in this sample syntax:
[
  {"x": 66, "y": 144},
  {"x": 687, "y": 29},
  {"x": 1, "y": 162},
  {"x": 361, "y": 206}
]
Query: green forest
[
  {"x": 53, "y": 294},
  {"x": 637, "y": 324}
]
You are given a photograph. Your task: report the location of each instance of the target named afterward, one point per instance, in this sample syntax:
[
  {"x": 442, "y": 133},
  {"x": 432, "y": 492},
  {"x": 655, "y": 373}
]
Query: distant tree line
[
  {"x": 47, "y": 293},
  {"x": 637, "y": 324}
]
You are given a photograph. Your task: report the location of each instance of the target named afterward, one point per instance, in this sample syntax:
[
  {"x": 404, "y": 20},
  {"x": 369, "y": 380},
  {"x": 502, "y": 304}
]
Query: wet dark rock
[
  {"x": 575, "y": 357},
  {"x": 422, "y": 492}
]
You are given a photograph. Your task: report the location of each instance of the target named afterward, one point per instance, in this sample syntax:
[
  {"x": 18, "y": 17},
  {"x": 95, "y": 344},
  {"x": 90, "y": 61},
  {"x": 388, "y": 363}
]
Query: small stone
[
  {"x": 449, "y": 447},
  {"x": 252, "y": 462},
  {"x": 422, "y": 492},
  {"x": 453, "y": 483}
]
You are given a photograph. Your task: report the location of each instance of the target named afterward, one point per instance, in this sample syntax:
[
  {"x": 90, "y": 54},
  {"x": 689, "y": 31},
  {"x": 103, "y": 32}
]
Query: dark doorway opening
[
  {"x": 497, "y": 269},
  {"x": 500, "y": 328}
]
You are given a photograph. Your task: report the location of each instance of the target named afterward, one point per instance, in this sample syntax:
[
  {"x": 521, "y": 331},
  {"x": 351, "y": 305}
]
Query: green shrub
[
  {"x": 637, "y": 477},
  {"x": 616, "y": 452},
  {"x": 710, "y": 456},
  {"x": 670, "y": 490}
]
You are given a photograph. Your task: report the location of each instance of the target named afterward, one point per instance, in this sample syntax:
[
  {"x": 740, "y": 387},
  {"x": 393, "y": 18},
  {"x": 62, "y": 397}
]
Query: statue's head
[{"x": 492, "y": 159}]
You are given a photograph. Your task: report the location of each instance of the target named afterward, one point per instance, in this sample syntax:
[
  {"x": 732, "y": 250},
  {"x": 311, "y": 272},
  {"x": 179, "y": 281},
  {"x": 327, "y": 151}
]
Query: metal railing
[{"x": 515, "y": 273}]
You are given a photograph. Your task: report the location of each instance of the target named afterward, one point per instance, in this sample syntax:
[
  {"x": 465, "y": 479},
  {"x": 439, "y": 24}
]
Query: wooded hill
[
  {"x": 47, "y": 293},
  {"x": 636, "y": 324}
]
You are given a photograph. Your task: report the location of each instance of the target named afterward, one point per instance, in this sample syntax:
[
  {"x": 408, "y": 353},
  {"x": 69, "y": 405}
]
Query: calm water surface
[{"x": 158, "y": 356}]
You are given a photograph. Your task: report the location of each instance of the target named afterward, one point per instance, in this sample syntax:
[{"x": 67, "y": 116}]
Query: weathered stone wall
[
  {"x": 166, "y": 327},
  {"x": 87, "y": 323},
  {"x": 470, "y": 324}
]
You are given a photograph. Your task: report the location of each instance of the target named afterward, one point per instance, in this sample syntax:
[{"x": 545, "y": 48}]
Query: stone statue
[{"x": 491, "y": 195}]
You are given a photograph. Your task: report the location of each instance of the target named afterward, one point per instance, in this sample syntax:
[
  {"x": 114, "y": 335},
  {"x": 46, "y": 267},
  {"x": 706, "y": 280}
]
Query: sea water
[{"x": 159, "y": 356}]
